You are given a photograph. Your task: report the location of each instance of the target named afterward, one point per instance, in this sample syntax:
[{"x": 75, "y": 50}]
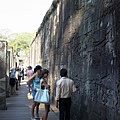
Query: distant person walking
[
  {"x": 65, "y": 88},
  {"x": 29, "y": 74},
  {"x": 17, "y": 74},
  {"x": 22, "y": 71},
  {"x": 12, "y": 82}
]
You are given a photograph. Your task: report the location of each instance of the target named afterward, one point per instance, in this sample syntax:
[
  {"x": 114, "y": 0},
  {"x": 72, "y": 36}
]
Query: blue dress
[{"x": 36, "y": 85}]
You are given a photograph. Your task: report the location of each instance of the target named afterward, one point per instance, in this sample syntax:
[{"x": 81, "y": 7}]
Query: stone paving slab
[{"x": 19, "y": 107}]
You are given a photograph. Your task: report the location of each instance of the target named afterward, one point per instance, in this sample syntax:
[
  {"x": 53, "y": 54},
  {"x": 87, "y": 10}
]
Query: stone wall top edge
[
  {"x": 32, "y": 41},
  {"x": 47, "y": 15}
]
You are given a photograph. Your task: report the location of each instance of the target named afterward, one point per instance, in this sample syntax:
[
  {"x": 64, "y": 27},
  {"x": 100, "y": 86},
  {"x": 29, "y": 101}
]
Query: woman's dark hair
[
  {"x": 63, "y": 72},
  {"x": 29, "y": 67},
  {"x": 38, "y": 67},
  {"x": 44, "y": 71}
]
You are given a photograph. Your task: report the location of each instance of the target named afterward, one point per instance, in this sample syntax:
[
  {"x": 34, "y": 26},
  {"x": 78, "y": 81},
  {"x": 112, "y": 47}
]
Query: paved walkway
[{"x": 19, "y": 107}]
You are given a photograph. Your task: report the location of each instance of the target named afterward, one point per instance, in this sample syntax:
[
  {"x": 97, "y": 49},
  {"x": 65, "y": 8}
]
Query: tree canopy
[{"x": 19, "y": 41}]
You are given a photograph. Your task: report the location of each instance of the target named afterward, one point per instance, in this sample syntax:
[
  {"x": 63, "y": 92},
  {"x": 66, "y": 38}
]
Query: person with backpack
[{"x": 12, "y": 82}]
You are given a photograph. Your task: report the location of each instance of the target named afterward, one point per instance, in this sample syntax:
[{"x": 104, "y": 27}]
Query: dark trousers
[
  {"x": 64, "y": 108},
  {"x": 19, "y": 80},
  {"x": 23, "y": 76},
  {"x": 17, "y": 85}
]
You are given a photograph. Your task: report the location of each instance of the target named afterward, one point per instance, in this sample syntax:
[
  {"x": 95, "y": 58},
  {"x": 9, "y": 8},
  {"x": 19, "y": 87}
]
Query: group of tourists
[
  {"x": 16, "y": 75},
  {"x": 64, "y": 89}
]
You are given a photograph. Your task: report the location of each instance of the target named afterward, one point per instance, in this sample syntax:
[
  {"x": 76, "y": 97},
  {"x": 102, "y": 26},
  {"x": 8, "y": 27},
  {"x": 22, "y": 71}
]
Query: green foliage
[
  {"x": 17, "y": 41},
  {"x": 3, "y": 37},
  {"x": 20, "y": 41}
]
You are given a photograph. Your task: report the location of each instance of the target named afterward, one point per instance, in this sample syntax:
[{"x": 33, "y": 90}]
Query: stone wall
[
  {"x": 83, "y": 36},
  {"x": 3, "y": 76}
]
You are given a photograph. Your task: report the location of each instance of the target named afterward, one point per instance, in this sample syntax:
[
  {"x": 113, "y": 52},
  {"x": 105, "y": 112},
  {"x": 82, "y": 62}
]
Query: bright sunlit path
[{"x": 22, "y": 15}]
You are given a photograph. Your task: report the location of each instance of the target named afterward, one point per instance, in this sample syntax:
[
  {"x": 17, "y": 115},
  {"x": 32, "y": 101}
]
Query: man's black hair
[{"x": 63, "y": 72}]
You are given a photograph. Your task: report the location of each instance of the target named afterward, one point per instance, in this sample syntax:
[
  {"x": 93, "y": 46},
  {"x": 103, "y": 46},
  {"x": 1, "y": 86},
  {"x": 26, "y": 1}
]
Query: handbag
[{"x": 42, "y": 95}]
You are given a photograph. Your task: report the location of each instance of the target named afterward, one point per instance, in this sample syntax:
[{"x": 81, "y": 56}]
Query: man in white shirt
[{"x": 65, "y": 88}]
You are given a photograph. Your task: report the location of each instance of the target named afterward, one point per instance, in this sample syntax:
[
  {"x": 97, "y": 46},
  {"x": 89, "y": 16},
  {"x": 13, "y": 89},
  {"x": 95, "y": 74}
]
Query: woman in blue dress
[{"x": 35, "y": 81}]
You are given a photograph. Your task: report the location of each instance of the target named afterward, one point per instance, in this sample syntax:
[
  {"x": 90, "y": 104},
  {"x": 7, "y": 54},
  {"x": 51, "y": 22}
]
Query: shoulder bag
[{"x": 42, "y": 95}]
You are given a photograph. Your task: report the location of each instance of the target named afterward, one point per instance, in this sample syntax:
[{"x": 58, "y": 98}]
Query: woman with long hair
[
  {"x": 43, "y": 76},
  {"x": 35, "y": 80}
]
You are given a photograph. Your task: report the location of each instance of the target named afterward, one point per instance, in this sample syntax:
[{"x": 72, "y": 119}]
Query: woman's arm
[
  {"x": 44, "y": 83},
  {"x": 57, "y": 94},
  {"x": 30, "y": 79}
]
